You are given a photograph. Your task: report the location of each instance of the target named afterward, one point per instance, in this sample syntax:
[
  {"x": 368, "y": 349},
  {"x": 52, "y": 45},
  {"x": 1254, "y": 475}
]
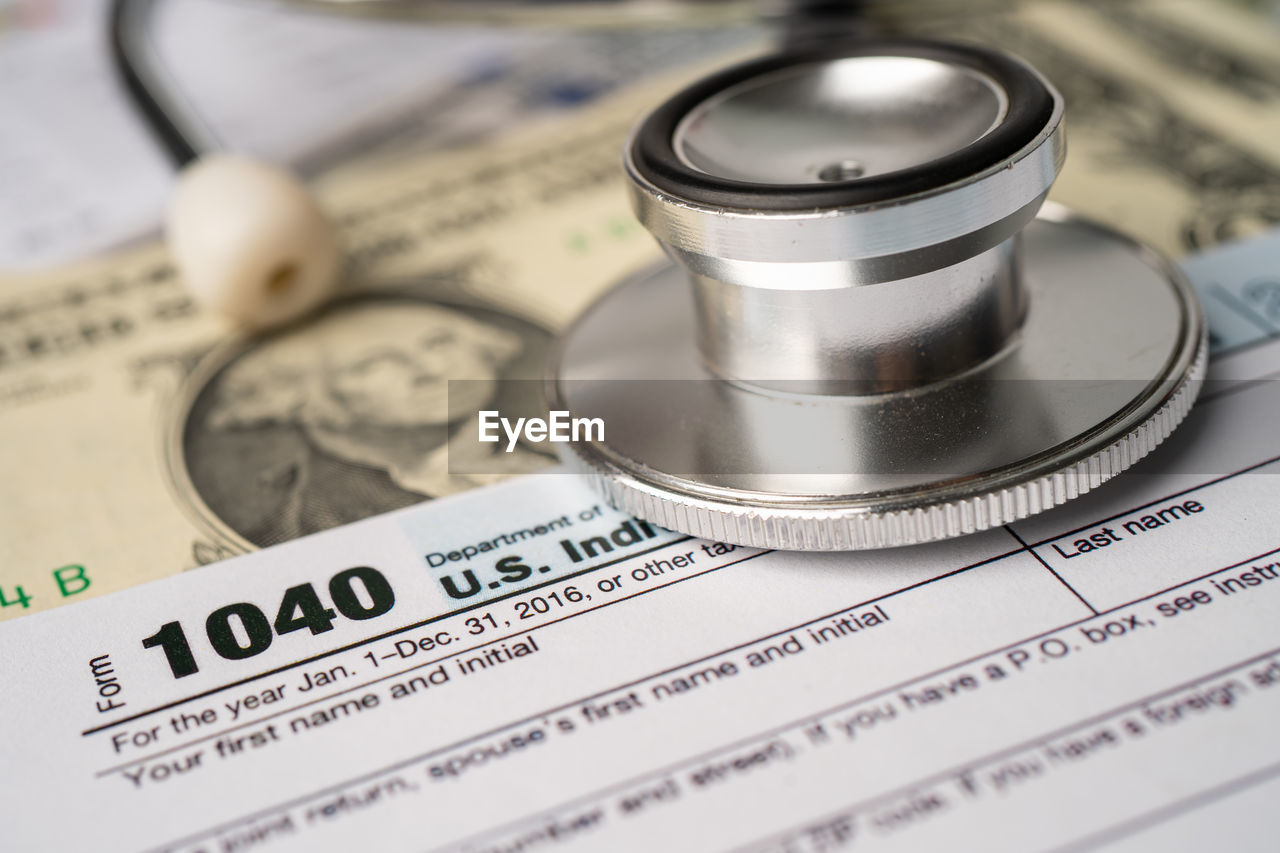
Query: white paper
[
  {"x": 79, "y": 172},
  {"x": 1113, "y": 681},
  {"x": 82, "y": 172},
  {"x": 81, "y": 169}
]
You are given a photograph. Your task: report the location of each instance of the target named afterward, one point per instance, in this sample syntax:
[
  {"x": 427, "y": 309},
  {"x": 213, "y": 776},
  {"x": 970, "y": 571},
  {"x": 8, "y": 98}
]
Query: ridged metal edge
[{"x": 855, "y": 530}]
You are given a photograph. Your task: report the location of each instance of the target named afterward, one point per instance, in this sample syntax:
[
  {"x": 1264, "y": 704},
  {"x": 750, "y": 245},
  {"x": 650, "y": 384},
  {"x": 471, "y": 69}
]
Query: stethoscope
[
  {"x": 250, "y": 241},
  {"x": 871, "y": 330}
]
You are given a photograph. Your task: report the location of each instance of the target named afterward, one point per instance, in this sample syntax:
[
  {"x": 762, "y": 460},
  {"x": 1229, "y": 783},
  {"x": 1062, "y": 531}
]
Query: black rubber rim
[{"x": 1030, "y": 108}]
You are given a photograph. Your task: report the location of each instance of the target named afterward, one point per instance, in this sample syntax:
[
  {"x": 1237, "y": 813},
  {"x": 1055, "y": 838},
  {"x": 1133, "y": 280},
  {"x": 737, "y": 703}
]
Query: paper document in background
[
  {"x": 81, "y": 172},
  {"x": 1240, "y": 288}
]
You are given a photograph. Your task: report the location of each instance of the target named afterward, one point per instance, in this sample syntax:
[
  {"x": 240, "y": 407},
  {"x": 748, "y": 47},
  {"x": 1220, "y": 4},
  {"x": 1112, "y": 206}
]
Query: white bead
[{"x": 250, "y": 241}]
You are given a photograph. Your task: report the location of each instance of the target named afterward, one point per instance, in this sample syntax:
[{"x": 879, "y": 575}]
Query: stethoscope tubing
[{"x": 173, "y": 123}]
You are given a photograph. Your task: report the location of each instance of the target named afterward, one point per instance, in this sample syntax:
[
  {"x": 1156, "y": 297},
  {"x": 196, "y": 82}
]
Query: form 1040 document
[{"x": 521, "y": 668}]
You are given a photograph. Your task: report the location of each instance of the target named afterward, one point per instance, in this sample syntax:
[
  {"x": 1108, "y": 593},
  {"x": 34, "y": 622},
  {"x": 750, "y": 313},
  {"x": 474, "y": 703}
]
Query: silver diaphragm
[{"x": 867, "y": 338}]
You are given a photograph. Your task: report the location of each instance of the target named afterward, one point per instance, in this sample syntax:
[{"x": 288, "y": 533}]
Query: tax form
[{"x": 521, "y": 668}]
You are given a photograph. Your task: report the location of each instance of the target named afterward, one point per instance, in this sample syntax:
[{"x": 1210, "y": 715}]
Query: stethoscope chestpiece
[{"x": 867, "y": 337}]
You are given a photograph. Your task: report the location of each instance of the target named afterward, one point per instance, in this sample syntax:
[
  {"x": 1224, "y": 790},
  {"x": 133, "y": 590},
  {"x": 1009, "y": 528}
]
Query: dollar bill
[
  {"x": 140, "y": 436},
  {"x": 1172, "y": 109}
]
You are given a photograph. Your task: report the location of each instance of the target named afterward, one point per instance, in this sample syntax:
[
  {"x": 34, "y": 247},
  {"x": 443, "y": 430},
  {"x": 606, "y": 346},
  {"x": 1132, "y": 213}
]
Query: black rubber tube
[{"x": 124, "y": 15}]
